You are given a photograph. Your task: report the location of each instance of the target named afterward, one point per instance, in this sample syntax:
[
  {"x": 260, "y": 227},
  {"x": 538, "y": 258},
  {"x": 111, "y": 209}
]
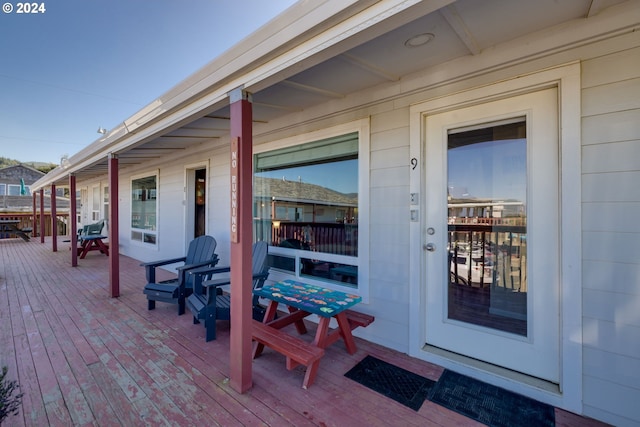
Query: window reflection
[
  {"x": 306, "y": 198},
  {"x": 143, "y": 209},
  {"x": 486, "y": 198}
]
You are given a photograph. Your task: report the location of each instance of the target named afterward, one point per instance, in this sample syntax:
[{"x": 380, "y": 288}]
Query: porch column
[
  {"x": 241, "y": 240},
  {"x": 34, "y": 221},
  {"x": 42, "y": 215},
  {"x": 54, "y": 220},
  {"x": 72, "y": 220},
  {"x": 114, "y": 243}
]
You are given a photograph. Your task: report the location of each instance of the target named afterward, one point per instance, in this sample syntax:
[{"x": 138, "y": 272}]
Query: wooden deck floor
[{"x": 82, "y": 358}]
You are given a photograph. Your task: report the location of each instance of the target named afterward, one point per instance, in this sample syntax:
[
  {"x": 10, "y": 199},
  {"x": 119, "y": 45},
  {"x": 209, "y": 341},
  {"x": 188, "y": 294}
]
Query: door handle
[{"x": 430, "y": 247}]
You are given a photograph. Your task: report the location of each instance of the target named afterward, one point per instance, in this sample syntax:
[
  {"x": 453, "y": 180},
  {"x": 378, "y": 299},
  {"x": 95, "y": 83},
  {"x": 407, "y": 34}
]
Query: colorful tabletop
[{"x": 313, "y": 299}]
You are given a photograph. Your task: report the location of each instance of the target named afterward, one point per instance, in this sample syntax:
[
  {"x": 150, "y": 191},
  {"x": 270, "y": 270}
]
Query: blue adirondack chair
[
  {"x": 201, "y": 253},
  {"x": 209, "y": 304}
]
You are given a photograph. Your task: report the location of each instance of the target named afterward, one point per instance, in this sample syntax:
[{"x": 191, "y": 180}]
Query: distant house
[
  {"x": 16, "y": 199},
  {"x": 484, "y": 162},
  {"x": 15, "y": 188},
  {"x": 10, "y": 177}
]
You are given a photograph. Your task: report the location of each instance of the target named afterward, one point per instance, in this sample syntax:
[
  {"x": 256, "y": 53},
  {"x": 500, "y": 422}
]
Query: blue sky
[{"x": 83, "y": 64}]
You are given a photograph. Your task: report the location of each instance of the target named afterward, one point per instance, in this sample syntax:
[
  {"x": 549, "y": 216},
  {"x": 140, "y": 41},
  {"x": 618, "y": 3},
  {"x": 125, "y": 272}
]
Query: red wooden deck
[{"x": 82, "y": 358}]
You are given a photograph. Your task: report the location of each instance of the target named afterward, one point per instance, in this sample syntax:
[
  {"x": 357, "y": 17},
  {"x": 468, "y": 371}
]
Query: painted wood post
[
  {"x": 42, "y": 215},
  {"x": 73, "y": 221},
  {"x": 54, "y": 220},
  {"x": 34, "y": 222},
  {"x": 241, "y": 240},
  {"x": 114, "y": 243}
]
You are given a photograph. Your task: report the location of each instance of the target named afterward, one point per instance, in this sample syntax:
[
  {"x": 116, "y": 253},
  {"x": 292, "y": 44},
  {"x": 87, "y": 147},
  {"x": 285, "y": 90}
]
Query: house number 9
[{"x": 414, "y": 163}]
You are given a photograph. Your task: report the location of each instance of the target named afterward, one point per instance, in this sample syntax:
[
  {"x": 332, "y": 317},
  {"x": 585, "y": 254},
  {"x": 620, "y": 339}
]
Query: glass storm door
[{"x": 492, "y": 220}]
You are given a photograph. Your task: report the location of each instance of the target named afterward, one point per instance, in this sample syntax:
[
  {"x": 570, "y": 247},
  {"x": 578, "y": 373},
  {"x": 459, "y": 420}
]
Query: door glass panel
[{"x": 487, "y": 225}]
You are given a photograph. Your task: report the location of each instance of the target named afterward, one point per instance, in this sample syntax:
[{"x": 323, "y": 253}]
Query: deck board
[{"x": 82, "y": 358}]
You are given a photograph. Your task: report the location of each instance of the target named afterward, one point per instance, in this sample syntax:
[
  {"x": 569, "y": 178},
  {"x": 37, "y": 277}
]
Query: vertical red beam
[
  {"x": 42, "y": 215},
  {"x": 72, "y": 220},
  {"x": 241, "y": 240},
  {"x": 114, "y": 243},
  {"x": 54, "y": 220},
  {"x": 34, "y": 222}
]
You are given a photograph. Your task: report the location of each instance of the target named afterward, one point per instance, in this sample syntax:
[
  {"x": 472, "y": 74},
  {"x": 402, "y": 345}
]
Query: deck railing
[
  {"x": 497, "y": 253},
  {"x": 26, "y": 221},
  {"x": 333, "y": 238}
]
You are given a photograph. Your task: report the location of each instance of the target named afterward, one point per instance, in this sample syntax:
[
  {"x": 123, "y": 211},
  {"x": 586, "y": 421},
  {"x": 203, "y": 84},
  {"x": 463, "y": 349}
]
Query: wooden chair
[
  {"x": 201, "y": 253},
  {"x": 209, "y": 304}
]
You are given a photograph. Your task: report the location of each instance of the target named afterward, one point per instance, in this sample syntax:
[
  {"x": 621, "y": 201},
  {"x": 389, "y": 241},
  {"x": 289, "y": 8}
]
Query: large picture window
[
  {"x": 306, "y": 205},
  {"x": 143, "y": 209}
]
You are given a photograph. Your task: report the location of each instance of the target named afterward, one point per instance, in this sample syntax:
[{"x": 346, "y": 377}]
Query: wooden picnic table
[
  {"x": 11, "y": 226},
  {"x": 302, "y": 300},
  {"x": 92, "y": 243}
]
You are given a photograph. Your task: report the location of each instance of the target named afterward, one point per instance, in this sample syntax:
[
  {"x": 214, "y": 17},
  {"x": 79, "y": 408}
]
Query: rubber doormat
[
  {"x": 391, "y": 381},
  {"x": 489, "y": 404}
]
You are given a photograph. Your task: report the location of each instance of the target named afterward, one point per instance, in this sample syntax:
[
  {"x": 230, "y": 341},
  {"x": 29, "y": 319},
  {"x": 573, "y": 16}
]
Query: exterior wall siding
[
  {"x": 611, "y": 247},
  {"x": 389, "y": 227}
]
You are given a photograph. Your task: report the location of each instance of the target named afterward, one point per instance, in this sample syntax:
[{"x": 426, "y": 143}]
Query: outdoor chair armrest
[
  {"x": 163, "y": 262},
  {"x": 190, "y": 267},
  {"x": 226, "y": 280},
  {"x": 150, "y": 267},
  {"x": 210, "y": 270},
  {"x": 214, "y": 283}
]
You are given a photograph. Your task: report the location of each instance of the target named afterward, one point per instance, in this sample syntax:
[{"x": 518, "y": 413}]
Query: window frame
[
  {"x": 155, "y": 233},
  {"x": 11, "y": 187},
  {"x": 362, "y": 127}
]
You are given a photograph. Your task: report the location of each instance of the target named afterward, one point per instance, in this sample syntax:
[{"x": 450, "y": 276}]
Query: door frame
[
  {"x": 568, "y": 394},
  {"x": 189, "y": 199}
]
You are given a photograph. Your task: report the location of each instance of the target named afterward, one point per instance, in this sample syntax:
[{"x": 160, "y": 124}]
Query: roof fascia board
[
  {"x": 207, "y": 88},
  {"x": 276, "y": 35},
  {"x": 343, "y": 30},
  {"x": 234, "y": 73},
  {"x": 223, "y": 81}
]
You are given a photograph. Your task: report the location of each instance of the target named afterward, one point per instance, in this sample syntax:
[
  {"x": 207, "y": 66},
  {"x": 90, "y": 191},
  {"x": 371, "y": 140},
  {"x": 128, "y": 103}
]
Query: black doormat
[
  {"x": 489, "y": 404},
  {"x": 392, "y": 381}
]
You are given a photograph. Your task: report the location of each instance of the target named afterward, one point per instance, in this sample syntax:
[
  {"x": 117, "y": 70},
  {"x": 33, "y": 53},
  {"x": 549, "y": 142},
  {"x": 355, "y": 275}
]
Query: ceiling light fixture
[{"x": 419, "y": 40}]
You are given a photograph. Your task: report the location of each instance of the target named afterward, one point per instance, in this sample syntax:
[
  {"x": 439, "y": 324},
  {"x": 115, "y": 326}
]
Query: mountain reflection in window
[{"x": 306, "y": 198}]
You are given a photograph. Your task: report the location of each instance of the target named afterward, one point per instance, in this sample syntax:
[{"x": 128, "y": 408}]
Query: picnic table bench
[
  {"x": 10, "y": 226},
  {"x": 296, "y": 350},
  {"x": 302, "y": 300}
]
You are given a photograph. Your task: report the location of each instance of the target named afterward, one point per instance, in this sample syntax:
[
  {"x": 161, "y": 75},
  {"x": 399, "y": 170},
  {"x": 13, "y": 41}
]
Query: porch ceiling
[{"x": 367, "y": 59}]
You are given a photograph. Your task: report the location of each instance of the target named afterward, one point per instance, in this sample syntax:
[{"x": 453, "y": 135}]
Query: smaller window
[
  {"x": 3, "y": 189},
  {"x": 144, "y": 209}
]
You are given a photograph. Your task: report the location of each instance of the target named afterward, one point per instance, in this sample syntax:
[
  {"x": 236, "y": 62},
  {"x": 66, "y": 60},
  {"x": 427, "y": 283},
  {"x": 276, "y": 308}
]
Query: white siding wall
[
  {"x": 389, "y": 228},
  {"x": 611, "y": 236}
]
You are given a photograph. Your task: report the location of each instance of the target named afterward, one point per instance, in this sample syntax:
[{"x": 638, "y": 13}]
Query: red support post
[
  {"x": 114, "y": 243},
  {"x": 72, "y": 220},
  {"x": 42, "y": 215},
  {"x": 34, "y": 222},
  {"x": 241, "y": 240},
  {"x": 54, "y": 220}
]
